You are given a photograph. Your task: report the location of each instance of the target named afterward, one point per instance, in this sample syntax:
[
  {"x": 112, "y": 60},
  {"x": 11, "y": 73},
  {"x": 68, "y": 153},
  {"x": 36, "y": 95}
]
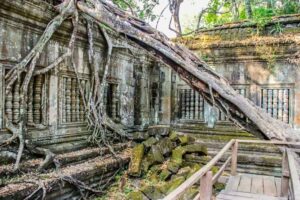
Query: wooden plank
[
  {"x": 196, "y": 177},
  {"x": 245, "y": 184},
  {"x": 206, "y": 186},
  {"x": 269, "y": 186},
  {"x": 285, "y": 175},
  {"x": 257, "y": 185},
  {"x": 295, "y": 179},
  {"x": 278, "y": 186},
  {"x": 297, "y": 144},
  {"x": 233, "y": 183},
  {"x": 243, "y": 195},
  {"x": 234, "y": 158}
]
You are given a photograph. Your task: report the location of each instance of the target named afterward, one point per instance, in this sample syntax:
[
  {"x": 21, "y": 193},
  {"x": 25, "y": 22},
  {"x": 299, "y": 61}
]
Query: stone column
[{"x": 1, "y": 95}]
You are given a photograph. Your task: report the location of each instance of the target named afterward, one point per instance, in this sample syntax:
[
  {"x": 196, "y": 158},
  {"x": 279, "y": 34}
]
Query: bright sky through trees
[{"x": 188, "y": 11}]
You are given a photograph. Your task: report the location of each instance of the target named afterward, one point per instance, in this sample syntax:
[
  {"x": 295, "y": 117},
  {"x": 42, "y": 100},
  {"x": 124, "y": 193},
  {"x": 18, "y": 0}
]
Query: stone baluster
[
  {"x": 37, "y": 99},
  {"x": 81, "y": 107},
  {"x": 264, "y": 99},
  {"x": 182, "y": 100},
  {"x": 270, "y": 101},
  {"x": 68, "y": 99},
  {"x": 9, "y": 106},
  {"x": 196, "y": 105},
  {"x": 73, "y": 99},
  {"x": 280, "y": 103},
  {"x": 286, "y": 105},
  {"x": 16, "y": 103},
  {"x": 30, "y": 103},
  {"x": 114, "y": 102},
  {"x": 192, "y": 102},
  {"x": 275, "y": 103},
  {"x": 201, "y": 107},
  {"x": 63, "y": 96},
  {"x": 187, "y": 104},
  {"x": 77, "y": 100}
]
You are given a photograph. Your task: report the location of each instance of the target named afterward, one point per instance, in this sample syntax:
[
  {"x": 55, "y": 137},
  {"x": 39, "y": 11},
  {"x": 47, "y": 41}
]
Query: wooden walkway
[{"x": 248, "y": 186}]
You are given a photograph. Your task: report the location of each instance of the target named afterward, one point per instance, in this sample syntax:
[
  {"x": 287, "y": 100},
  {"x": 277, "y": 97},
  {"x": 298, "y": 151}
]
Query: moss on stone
[
  {"x": 184, "y": 171},
  {"x": 190, "y": 193},
  {"x": 183, "y": 139},
  {"x": 135, "y": 195},
  {"x": 136, "y": 160},
  {"x": 152, "y": 192},
  {"x": 164, "y": 175},
  {"x": 171, "y": 185},
  {"x": 157, "y": 155},
  {"x": 196, "y": 148},
  {"x": 173, "y": 136},
  {"x": 149, "y": 142}
]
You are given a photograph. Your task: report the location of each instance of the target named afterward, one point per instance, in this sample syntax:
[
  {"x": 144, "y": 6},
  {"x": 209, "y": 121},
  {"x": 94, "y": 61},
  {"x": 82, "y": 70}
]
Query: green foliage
[
  {"x": 143, "y": 9},
  {"x": 220, "y": 11}
]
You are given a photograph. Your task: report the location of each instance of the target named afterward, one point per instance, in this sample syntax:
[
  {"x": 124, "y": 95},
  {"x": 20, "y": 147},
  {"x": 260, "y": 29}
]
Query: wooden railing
[{"x": 290, "y": 178}]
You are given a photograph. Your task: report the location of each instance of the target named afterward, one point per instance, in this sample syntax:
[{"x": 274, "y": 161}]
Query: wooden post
[
  {"x": 206, "y": 186},
  {"x": 285, "y": 175},
  {"x": 234, "y": 158}
]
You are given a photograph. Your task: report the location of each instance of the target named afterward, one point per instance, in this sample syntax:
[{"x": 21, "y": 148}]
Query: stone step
[
  {"x": 94, "y": 169},
  {"x": 64, "y": 159},
  {"x": 251, "y": 148},
  {"x": 216, "y": 132}
]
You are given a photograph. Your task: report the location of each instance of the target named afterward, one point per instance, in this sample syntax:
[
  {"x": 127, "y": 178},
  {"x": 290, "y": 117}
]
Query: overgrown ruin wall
[
  {"x": 255, "y": 61},
  {"x": 54, "y": 99}
]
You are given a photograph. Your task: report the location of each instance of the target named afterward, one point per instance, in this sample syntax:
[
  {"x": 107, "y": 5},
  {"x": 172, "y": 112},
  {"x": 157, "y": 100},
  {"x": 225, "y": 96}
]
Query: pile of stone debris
[{"x": 160, "y": 160}]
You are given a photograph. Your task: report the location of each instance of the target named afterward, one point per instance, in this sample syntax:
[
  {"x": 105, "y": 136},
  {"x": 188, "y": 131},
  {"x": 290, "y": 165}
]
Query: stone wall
[
  {"x": 54, "y": 99},
  {"x": 255, "y": 61}
]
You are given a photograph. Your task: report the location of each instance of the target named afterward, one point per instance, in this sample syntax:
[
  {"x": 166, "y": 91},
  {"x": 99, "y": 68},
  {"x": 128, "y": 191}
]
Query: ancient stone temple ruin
[{"x": 141, "y": 94}]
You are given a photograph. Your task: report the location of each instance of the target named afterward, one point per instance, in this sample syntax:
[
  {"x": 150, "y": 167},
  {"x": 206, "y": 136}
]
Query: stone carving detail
[
  {"x": 34, "y": 101},
  {"x": 191, "y": 105},
  {"x": 9, "y": 106},
  {"x": 276, "y": 103},
  {"x": 37, "y": 99},
  {"x": 16, "y": 103},
  {"x": 30, "y": 103},
  {"x": 72, "y": 102}
]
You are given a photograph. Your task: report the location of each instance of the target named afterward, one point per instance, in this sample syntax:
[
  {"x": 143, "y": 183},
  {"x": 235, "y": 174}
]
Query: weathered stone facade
[
  {"x": 255, "y": 61},
  {"x": 54, "y": 100}
]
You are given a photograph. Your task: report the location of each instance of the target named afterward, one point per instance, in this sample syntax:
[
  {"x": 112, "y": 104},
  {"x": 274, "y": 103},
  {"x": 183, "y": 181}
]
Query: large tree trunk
[
  {"x": 248, "y": 9},
  {"x": 174, "y": 6},
  {"x": 215, "y": 89}
]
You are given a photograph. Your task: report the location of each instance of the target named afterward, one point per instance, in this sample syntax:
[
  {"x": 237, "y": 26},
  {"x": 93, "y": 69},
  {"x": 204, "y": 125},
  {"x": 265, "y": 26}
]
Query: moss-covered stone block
[
  {"x": 149, "y": 142},
  {"x": 136, "y": 195},
  {"x": 136, "y": 160},
  {"x": 173, "y": 167},
  {"x": 164, "y": 175},
  {"x": 190, "y": 193},
  {"x": 157, "y": 155},
  {"x": 165, "y": 146},
  {"x": 196, "y": 148},
  {"x": 177, "y": 154},
  {"x": 172, "y": 185},
  {"x": 159, "y": 130},
  {"x": 184, "y": 171},
  {"x": 173, "y": 136},
  {"x": 152, "y": 192},
  {"x": 183, "y": 139},
  {"x": 147, "y": 162}
]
